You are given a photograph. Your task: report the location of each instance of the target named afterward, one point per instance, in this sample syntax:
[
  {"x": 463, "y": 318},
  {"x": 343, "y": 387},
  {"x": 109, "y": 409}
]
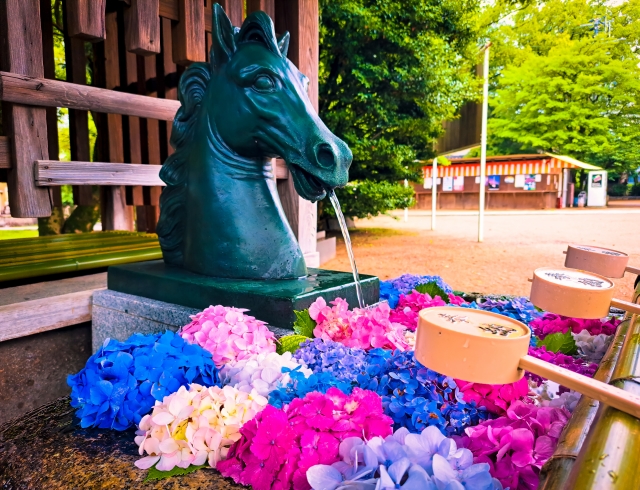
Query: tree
[
  {"x": 390, "y": 73},
  {"x": 567, "y": 80}
]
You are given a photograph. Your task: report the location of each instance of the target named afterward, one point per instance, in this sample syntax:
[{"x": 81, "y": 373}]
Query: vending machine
[{"x": 597, "y": 188}]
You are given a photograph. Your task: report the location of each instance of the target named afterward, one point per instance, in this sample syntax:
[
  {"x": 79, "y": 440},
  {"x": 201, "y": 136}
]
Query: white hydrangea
[
  {"x": 592, "y": 347},
  {"x": 568, "y": 400},
  {"x": 546, "y": 395},
  {"x": 261, "y": 372}
]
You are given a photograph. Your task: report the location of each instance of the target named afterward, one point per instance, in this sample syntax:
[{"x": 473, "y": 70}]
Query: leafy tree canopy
[
  {"x": 390, "y": 72},
  {"x": 566, "y": 79}
]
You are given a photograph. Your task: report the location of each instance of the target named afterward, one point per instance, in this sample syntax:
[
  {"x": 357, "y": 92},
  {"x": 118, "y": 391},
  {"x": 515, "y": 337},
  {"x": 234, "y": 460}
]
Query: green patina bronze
[{"x": 220, "y": 212}]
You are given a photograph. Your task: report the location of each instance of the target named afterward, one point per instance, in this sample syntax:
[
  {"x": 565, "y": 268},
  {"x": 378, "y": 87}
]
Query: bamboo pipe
[
  {"x": 80, "y": 236},
  {"x": 19, "y": 254}
]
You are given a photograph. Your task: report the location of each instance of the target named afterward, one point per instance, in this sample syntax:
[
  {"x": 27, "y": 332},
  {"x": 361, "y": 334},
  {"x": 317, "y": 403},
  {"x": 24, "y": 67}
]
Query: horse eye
[{"x": 264, "y": 84}]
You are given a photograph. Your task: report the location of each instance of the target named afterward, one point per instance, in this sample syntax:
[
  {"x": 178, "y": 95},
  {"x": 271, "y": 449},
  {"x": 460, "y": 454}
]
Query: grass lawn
[{"x": 8, "y": 234}]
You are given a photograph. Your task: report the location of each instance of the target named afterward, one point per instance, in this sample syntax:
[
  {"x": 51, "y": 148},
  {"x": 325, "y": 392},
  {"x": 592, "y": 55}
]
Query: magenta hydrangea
[
  {"x": 518, "y": 444},
  {"x": 279, "y": 445},
  {"x": 229, "y": 334},
  {"x": 409, "y": 305},
  {"x": 367, "y": 328},
  {"x": 579, "y": 366},
  {"x": 495, "y": 398},
  {"x": 551, "y": 323}
]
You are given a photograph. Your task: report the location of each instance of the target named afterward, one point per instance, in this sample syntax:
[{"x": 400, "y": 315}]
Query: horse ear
[
  {"x": 283, "y": 44},
  {"x": 223, "y": 44}
]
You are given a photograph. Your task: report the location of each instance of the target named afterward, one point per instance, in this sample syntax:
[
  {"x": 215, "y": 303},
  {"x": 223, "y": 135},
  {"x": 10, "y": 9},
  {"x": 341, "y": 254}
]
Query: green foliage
[
  {"x": 560, "y": 87},
  {"x": 304, "y": 324},
  {"x": 366, "y": 198},
  {"x": 635, "y": 189},
  {"x": 560, "y": 342},
  {"x": 290, "y": 343},
  {"x": 433, "y": 290},
  {"x": 155, "y": 474},
  {"x": 390, "y": 73},
  {"x": 617, "y": 190}
]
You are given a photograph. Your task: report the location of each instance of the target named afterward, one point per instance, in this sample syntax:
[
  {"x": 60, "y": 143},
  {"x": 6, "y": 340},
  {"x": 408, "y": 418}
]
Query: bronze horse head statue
[{"x": 220, "y": 214}]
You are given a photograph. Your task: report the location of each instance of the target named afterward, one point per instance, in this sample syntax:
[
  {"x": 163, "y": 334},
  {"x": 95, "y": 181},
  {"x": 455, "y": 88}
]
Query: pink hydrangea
[
  {"x": 229, "y": 334},
  {"x": 517, "y": 444},
  {"x": 363, "y": 328},
  {"x": 409, "y": 305},
  {"x": 551, "y": 323},
  {"x": 279, "y": 446},
  {"x": 496, "y": 398}
]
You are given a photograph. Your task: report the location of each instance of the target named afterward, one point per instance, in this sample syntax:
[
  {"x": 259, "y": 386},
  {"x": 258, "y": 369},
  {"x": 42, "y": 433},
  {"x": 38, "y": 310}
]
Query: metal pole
[
  {"x": 483, "y": 142},
  {"x": 406, "y": 210},
  {"x": 434, "y": 186}
]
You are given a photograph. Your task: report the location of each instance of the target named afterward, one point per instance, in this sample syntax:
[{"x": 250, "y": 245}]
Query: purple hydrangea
[
  {"x": 333, "y": 357},
  {"x": 392, "y": 289}
]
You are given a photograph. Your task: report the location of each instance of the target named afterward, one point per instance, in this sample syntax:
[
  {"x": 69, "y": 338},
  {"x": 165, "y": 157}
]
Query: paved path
[{"x": 515, "y": 244}]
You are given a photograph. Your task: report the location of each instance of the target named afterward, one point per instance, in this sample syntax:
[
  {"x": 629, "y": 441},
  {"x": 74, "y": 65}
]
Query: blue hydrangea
[
  {"x": 518, "y": 308},
  {"x": 299, "y": 386},
  {"x": 332, "y": 357},
  {"x": 122, "y": 381},
  {"x": 392, "y": 289}
]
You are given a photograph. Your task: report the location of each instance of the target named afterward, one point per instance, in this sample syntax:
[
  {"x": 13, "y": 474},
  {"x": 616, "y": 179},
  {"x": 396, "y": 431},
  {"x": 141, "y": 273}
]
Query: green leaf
[
  {"x": 304, "y": 324},
  {"x": 560, "y": 342},
  {"x": 155, "y": 474},
  {"x": 433, "y": 290},
  {"x": 290, "y": 343}
]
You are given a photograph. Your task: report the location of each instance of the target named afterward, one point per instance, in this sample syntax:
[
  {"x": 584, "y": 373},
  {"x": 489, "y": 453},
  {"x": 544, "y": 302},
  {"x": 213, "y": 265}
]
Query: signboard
[
  {"x": 458, "y": 184},
  {"x": 597, "y": 190},
  {"x": 447, "y": 184},
  {"x": 494, "y": 182},
  {"x": 530, "y": 182},
  {"x": 519, "y": 181}
]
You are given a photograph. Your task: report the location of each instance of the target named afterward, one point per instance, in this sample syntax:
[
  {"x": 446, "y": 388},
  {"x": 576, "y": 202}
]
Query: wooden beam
[
  {"x": 169, "y": 9},
  {"x": 142, "y": 32},
  {"x": 53, "y": 172},
  {"x": 169, "y": 68},
  {"x": 188, "y": 33},
  {"x": 234, "y": 10},
  {"x": 85, "y": 19},
  {"x": 268, "y": 6},
  {"x": 5, "y": 157},
  {"x": 21, "y": 52},
  {"x": 39, "y": 91}
]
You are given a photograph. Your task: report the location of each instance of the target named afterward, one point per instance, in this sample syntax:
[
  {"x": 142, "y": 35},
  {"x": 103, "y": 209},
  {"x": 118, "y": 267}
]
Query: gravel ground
[{"x": 514, "y": 245}]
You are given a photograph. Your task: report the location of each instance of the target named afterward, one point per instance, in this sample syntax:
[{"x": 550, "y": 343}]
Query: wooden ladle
[
  {"x": 485, "y": 347},
  {"x": 575, "y": 293},
  {"x": 604, "y": 261}
]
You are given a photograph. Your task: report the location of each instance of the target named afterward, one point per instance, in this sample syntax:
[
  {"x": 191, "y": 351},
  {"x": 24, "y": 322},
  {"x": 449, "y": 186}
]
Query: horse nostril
[{"x": 325, "y": 157}]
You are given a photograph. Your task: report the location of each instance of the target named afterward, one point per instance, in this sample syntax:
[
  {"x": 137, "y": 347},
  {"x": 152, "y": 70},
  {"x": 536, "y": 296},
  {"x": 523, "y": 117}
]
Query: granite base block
[{"x": 117, "y": 315}]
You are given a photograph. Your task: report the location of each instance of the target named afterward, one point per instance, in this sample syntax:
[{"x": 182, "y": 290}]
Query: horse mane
[{"x": 192, "y": 88}]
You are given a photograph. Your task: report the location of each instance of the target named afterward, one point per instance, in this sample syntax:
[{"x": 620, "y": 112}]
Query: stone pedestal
[{"x": 272, "y": 301}]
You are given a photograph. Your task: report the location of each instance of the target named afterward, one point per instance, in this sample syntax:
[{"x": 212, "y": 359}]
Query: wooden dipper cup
[
  {"x": 575, "y": 293},
  {"x": 603, "y": 261},
  {"x": 484, "y": 347}
]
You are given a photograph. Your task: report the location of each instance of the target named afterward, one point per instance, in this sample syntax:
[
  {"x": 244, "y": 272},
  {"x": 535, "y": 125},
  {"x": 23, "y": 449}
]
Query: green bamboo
[
  {"x": 76, "y": 264},
  {"x": 33, "y": 253},
  {"x": 609, "y": 457},
  {"x": 555, "y": 473},
  {"x": 69, "y": 254},
  {"x": 76, "y": 237}
]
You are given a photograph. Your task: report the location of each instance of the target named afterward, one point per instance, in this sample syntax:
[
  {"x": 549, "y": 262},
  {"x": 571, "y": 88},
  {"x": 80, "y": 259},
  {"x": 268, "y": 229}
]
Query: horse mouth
[{"x": 307, "y": 185}]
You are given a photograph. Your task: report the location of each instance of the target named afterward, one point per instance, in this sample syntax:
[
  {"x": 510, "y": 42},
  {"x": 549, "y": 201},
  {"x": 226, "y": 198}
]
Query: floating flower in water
[
  {"x": 559, "y": 359},
  {"x": 409, "y": 306},
  {"x": 328, "y": 356},
  {"x": 366, "y": 328},
  {"x": 495, "y": 398},
  {"x": 229, "y": 334},
  {"x": 279, "y": 446},
  {"x": 300, "y": 384},
  {"x": 122, "y": 381},
  {"x": 551, "y": 323},
  {"x": 592, "y": 347},
  {"x": 392, "y": 289},
  {"x": 518, "y": 444},
  {"x": 195, "y": 425},
  {"x": 518, "y": 308},
  {"x": 261, "y": 372}
]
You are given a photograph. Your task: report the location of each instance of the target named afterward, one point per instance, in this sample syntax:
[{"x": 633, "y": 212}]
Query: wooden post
[
  {"x": 86, "y": 19},
  {"x": 142, "y": 32},
  {"x": 21, "y": 52},
  {"x": 188, "y": 33},
  {"x": 234, "y": 10},
  {"x": 170, "y": 74},
  {"x": 116, "y": 215},
  {"x": 151, "y": 145},
  {"x": 301, "y": 19},
  {"x": 268, "y": 6}
]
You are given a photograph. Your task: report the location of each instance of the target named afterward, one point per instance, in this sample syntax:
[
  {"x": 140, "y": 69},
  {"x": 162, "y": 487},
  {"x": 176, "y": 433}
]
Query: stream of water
[{"x": 347, "y": 241}]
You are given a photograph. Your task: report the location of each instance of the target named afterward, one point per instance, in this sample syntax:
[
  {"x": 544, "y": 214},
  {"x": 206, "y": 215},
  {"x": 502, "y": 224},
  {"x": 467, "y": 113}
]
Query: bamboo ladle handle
[
  {"x": 610, "y": 395},
  {"x": 633, "y": 270},
  {"x": 633, "y": 308}
]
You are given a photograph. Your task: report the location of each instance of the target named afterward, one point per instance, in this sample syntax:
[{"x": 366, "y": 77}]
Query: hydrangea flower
[
  {"x": 551, "y": 323},
  {"x": 559, "y": 359},
  {"x": 261, "y": 372},
  {"x": 409, "y": 305},
  {"x": 195, "y": 425},
  {"x": 495, "y": 398},
  {"x": 300, "y": 384},
  {"x": 276, "y": 451},
  {"x": 122, "y": 381},
  {"x": 366, "y": 328},
  {"x": 328, "y": 356},
  {"x": 518, "y": 308},
  {"x": 592, "y": 347},
  {"x": 517, "y": 444},
  {"x": 392, "y": 289},
  {"x": 229, "y": 334}
]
